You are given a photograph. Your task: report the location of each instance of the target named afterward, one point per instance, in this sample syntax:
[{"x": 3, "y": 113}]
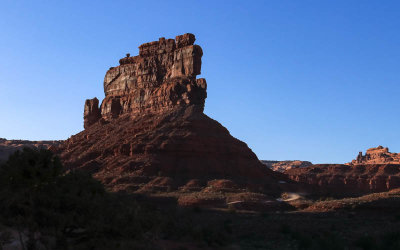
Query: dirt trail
[{"x": 290, "y": 197}]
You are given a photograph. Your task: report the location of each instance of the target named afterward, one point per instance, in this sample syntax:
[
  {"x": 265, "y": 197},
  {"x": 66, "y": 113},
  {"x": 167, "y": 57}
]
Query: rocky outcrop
[
  {"x": 8, "y": 147},
  {"x": 91, "y": 113},
  {"x": 376, "y": 171},
  {"x": 282, "y": 166},
  {"x": 161, "y": 78},
  {"x": 351, "y": 180},
  {"x": 152, "y": 132},
  {"x": 378, "y": 155}
]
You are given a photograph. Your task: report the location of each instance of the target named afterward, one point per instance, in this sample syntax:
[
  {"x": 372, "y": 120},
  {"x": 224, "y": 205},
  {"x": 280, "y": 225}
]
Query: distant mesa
[
  {"x": 282, "y": 166},
  {"x": 378, "y": 155},
  {"x": 376, "y": 171},
  {"x": 8, "y": 147}
]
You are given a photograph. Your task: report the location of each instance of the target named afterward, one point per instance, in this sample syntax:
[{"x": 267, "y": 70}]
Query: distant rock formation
[
  {"x": 282, "y": 166},
  {"x": 150, "y": 132},
  {"x": 376, "y": 171},
  {"x": 378, "y": 155},
  {"x": 345, "y": 179},
  {"x": 8, "y": 147}
]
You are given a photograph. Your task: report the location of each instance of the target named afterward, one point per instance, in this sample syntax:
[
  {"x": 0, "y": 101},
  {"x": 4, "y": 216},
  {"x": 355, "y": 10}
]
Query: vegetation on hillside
[
  {"x": 63, "y": 209},
  {"x": 51, "y": 208}
]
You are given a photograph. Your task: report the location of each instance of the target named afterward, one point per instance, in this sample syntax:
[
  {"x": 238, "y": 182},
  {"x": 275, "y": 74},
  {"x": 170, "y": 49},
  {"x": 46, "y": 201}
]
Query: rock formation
[
  {"x": 282, "y": 166},
  {"x": 349, "y": 180},
  {"x": 8, "y": 147},
  {"x": 150, "y": 131},
  {"x": 161, "y": 78},
  {"x": 378, "y": 155},
  {"x": 91, "y": 113},
  {"x": 376, "y": 171}
]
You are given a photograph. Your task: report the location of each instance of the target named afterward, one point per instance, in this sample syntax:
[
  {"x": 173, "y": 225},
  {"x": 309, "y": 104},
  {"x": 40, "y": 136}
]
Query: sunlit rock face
[
  {"x": 162, "y": 77},
  {"x": 378, "y": 155}
]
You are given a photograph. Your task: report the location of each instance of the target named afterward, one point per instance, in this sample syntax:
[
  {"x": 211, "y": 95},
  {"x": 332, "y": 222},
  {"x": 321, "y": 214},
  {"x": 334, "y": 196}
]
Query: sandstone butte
[
  {"x": 376, "y": 171},
  {"x": 150, "y": 132},
  {"x": 378, "y": 155}
]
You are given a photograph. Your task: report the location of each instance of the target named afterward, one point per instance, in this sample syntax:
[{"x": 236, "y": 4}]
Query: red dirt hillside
[{"x": 150, "y": 131}]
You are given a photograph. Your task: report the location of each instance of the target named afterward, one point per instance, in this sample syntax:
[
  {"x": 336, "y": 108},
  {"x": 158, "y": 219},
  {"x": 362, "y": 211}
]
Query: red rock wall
[
  {"x": 162, "y": 77},
  {"x": 345, "y": 179},
  {"x": 91, "y": 112}
]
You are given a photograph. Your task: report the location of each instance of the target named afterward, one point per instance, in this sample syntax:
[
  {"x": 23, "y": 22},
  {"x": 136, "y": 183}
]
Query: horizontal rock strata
[
  {"x": 150, "y": 131},
  {"x": 345, "y": 179}
]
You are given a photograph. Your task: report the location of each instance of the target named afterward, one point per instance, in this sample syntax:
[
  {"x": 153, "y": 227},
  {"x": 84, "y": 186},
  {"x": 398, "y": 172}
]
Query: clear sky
[{"x": 308, "y": 80}]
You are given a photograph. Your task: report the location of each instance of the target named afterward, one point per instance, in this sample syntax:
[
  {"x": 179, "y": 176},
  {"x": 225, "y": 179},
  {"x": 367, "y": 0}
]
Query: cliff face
[
  {"x": 150, "y": 129},
  {"x": 161, "y": 78},
  {"x": 345, "y": 179}
]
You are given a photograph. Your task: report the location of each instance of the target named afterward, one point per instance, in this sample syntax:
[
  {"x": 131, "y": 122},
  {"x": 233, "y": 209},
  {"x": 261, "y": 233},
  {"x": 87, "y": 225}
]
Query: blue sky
[{"x": 309, "y": 80}]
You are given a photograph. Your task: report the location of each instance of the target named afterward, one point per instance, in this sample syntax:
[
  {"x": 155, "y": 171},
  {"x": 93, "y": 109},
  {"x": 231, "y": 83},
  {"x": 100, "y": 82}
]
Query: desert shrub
[
  {"x": 319, "y": 240},
  {"x": 196, "y": 209},
  {"x": 34, "y": 191},
  {"x": 231, "y": 208},
  {"x": 390, "y": 240},
  {"x": 36, "y": 195},
  {"x": 366, "y": 242},
  {"x": 5, "y": 237},
  {"x": 329, "y": 240},
  {"x": 285, "y": 229}
]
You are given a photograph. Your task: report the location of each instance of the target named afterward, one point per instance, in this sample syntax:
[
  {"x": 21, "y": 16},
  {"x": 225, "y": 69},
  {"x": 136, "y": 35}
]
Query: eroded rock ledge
[
  {"x": 378, "y": 155},
  {"x": 162, "y": 77}
]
